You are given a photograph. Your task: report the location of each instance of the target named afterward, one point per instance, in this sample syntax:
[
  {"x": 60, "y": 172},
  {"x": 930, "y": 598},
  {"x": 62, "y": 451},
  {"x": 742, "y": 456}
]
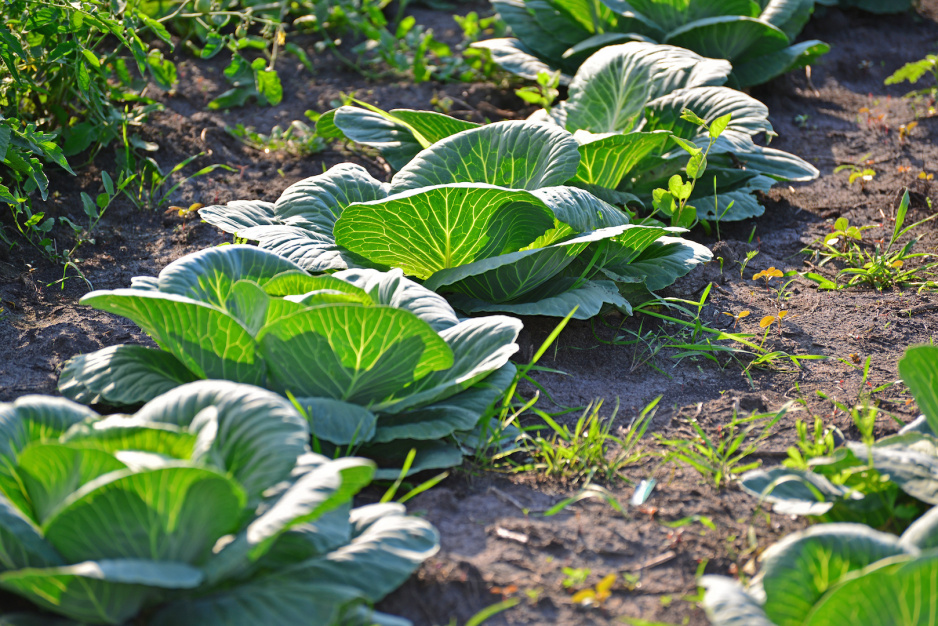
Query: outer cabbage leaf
[
  {"x": 658, "y": 264},
  {"x": 919, "y": 370},
  {"x": 611, "y": 88},
  {"x": 364, "y": 354},
  {"x": 181, "y": 325},
  {"x": 517, "y": 155},
  {"x": 398, "y": 134},
  {"x": 313, "y": 203},
  {"x": 515, "y": 276},
  {"x": 122, "y": 375},
  {"x": 799, "y": 570},
  {"x": 672, "y": 14},
  {"x": 258, "y": 436},
  {"x": 427, "y": 230},
  {"x": 320, "y": 200},
  {"x": 607, "y": 161},
  {"x": 755, "y": 71},
  {"x": 513, "y": 56},
  {"x": 897, "y": 592},
  {"x": 729, "y": 37},
  {"x": 588, "y": 298},
  {"x": 165, "y": 514},
  {"x": 460, "y": 412},
  {"x": 100, "y": 592}
]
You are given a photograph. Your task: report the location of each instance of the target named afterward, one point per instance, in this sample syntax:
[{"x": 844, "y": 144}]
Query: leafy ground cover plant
[
  {"x": 885, "y": 484},
  {"x": 834, "y": 574},
  {"x": 756, "y": 37},
  {"x": 626, "y": 110},
  {"x": 482, "y": 216},
  {"x": 69, "y": 87},
  {"x": 879, "y": 267},
  {"x": 378, "y": 363},
  {"x": 204, "y": 507}
]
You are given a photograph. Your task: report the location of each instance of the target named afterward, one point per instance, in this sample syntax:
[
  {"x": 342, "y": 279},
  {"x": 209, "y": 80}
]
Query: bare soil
[{"x": 496, "y": 542}]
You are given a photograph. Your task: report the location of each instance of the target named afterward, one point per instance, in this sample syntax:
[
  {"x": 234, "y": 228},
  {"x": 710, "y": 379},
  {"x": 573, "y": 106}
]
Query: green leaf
[
  {"x": 235, "y": 97},
  {"x": 890, "y": 594},
  {"x": 210, "y": 275},
  {"x": 21, "y": 542},
  {"x": 157, "y": 27},
  {"x": 165, "y": 514},
  {"x": 338, "y": 422},
  {"x": 239, "y": 214},
  {"x": 790, "y": 16},
  {"x": 730, "y": 37},
  {"x": 580, "y": 209},
  {"x": 749, "y": 116},
  {"x": 320, "y": 200},
  {"x": 35, "y": 418},
  {"x": 259, "y": 434},
  {"x": 480, "y": 346},
  {"x": 100, "y": 592},
  {"x": 384, "y": 551},
  {"x": 508, "y": 277},
  {"x": 52, "y": 472},
  {"x": 268, "y": 85},
  {"x": 671, "y": 14},
  {"x": 271, "y": 599},
  {"x": 334, "y": 352},
  {"x": 800, "y": 569},
  {"x": 612, "y": 87},
  {"x": 793, "y": 491},
  {"x": 427, "y": 230},
  {"x": 515, "y": 154},
  {"x": 120, "y": 433},
  {"x": 588, "y": 298},
  {"x": 696, "y": 166},
  {"x": 763, "y": 68},
  {"x": 919, "y": 371},
  {"x": 719, "y": 125},
  {"x": 325, "y": 486},
  {"x": 163, "y": 70},
  {"x": 393, "y": 138},
  {"x": 922, "y": 534},
  {"x": 431, "y": 125},
  {"x": 92, "y": 59},
  {"x": 180, "y": 325},
  {"x": 914, "y": 471},
  {"x": 659, "y": 264},
  {"x": 513, "y": 56},
  {"x": 84, "y": 77},
  {"x": 123, "y": 375},
  {"x": 392, "y": 289},
  {"x": 608, "y": 160},
  {"x": 312, "y": 251}
]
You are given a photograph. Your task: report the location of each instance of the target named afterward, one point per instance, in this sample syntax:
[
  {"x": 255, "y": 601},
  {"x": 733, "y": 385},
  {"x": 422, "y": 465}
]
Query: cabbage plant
[
  {"x": 836, "y": 574},
  {"x": 483, "y": 216},
  {"x": 624, "y": 111},
  {"x": 756, "y": 36},
  {"x": 204, "y": 507},
  {"x": 376, "y": 361},
  {"x": 885, "y": 484}
]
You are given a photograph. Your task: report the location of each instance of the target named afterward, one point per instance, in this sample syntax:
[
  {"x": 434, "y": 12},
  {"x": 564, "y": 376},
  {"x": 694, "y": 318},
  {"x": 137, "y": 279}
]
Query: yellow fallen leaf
[{"x": 587, "y": 596}]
